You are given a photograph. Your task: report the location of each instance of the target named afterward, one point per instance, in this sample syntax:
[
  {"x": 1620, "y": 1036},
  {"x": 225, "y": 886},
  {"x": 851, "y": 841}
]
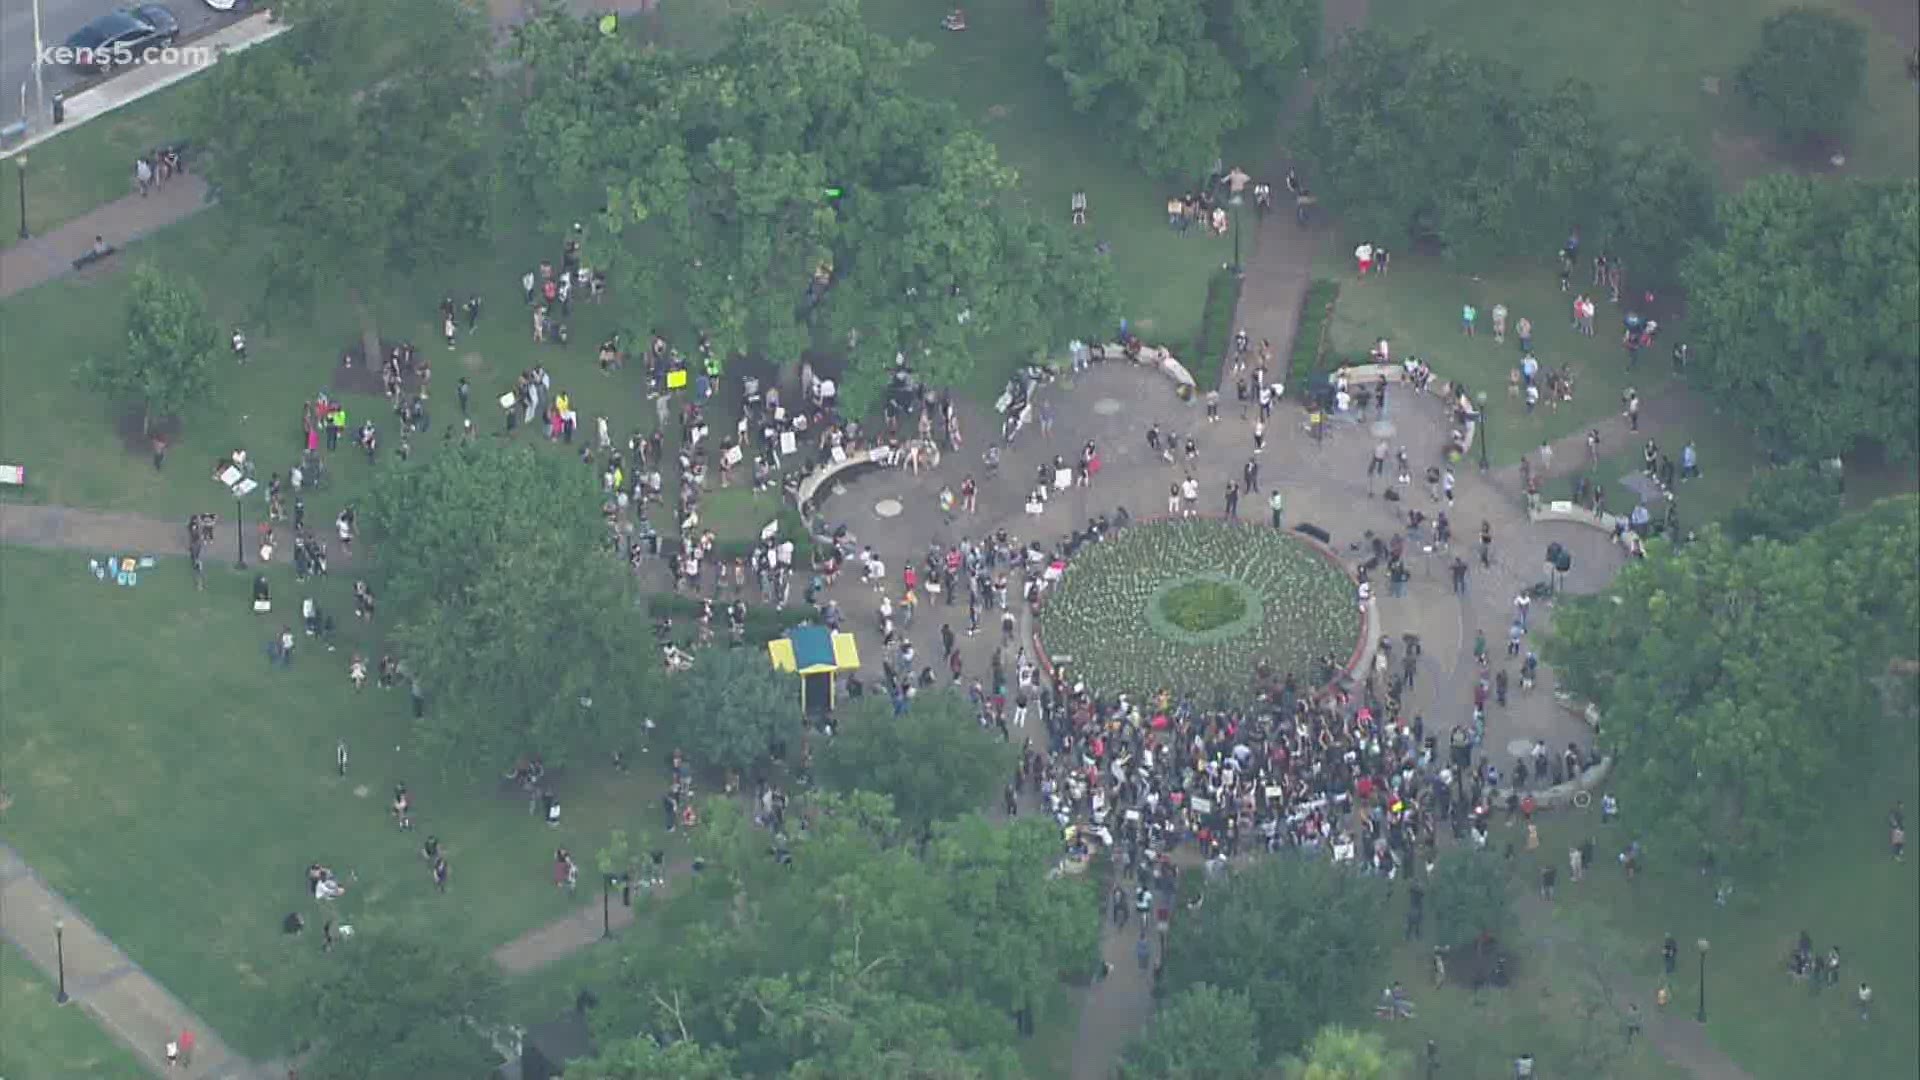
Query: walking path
[
  {"x": 565, "y": 936},
  {"x": 1663, "y": 418},
  {"x": 70, "y": 529},
  {"x": 101, "y": 979},
  {"x": 51, "y": 254}
]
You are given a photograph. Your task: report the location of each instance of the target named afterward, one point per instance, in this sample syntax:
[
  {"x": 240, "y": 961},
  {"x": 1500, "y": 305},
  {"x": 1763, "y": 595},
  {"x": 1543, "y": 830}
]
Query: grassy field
[
  {"x": 43, "y": 1041},
  {"x": 1842, "y": 888},
  {"x": 189, "y": 760},
  {"x": 1417, "y": 309},
  {"x": 1652, "y": 62},
  {"x": 78, "y": 170}
]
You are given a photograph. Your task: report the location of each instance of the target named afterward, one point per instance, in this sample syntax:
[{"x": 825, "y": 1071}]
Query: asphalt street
[{"x": 59, "y": 18}]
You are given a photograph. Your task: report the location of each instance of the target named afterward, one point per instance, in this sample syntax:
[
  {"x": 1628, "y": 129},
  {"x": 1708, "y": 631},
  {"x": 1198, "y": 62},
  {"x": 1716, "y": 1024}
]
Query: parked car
[{"x": 120, "y": 37}]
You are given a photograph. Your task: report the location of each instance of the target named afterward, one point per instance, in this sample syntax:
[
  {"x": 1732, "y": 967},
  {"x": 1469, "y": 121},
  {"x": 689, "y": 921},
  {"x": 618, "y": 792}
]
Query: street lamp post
[
  {"x": 239, "y": 533},
  {"x": 60, "y": 959},
  {"x": 21, "y": 161},
  {"x": 1234, "y": 208},
  {"x": 1482, "y": 429},
  {"x": 1702, "y": 946}
]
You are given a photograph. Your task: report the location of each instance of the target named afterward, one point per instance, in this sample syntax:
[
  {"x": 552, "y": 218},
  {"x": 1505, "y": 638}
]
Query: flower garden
[{"x": 1193, "y": 606}]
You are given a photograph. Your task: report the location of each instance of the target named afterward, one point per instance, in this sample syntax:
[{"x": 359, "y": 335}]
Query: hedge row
[
  {"x": 1216, "y": 330},
  {"x": 1310, "y": 339}
]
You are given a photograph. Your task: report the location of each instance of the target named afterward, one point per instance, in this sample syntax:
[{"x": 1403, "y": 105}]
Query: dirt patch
[
  {"x": 361, "y": 376},
  {"x": 127, "y": 424}
]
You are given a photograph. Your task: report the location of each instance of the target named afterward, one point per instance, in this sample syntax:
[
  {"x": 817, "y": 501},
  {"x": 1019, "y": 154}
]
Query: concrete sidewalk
[
  {"x": 51, "y": 254},
  {"x": 101, "y": 979}
]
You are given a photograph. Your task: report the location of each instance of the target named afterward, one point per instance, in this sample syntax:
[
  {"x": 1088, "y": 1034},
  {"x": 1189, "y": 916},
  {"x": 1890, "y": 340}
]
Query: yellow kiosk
[{"x": 816, "y": 654}]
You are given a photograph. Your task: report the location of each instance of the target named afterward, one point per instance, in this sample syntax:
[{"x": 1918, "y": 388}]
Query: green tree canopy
[
  {"x": 934, "y": 761},
  {"x": 731, "y": 709},
  {"x": 166, "y": 363},
  {"x": 859, "y": 954},
  {"x": 518, "y": 624},
  {"x": 1807, "y": 311},
  {"x": 356, "y": 146},
  {"x": 1469, "y": 895},
  {"x": 796, "y": 147},
  {"x": 389, "y": 1005},
  {"x": 642, "y": 1058},
  {"x": 1734, "y": 677},
  {"x": 1659, "y": 201},
  {"x": 1786, "y": 503},
  {"x": 1148, "y": 70},
  {"x": 1201, "y": 1033},
  {"x": 1412, "y": 141},
  {"x": 1302, "y": 939},
  {"x": 1342, "y": 1053},
  {"x": 1808, "y": 74}
]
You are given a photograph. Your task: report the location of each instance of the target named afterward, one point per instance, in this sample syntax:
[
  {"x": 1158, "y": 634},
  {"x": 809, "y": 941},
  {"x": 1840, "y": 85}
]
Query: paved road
[{"x": 59, "y": 18}]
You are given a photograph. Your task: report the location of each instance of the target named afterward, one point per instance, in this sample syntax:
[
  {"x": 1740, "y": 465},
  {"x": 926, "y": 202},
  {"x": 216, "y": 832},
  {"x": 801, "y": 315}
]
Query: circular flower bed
[{"x": 1193, "y": 606}]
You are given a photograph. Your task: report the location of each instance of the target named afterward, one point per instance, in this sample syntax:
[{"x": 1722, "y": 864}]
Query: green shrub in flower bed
[{"x": 1193, "y": 606}]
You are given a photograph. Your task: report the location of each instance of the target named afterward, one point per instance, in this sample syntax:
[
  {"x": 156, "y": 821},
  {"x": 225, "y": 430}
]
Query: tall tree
[
  {"x": 934, "y": 761},
  {"x": 1268, "y": 41},
  {"x": 519, "y": 626},
  {"x": 445, "y": 519},
  {"x": 1411, "y": 141},
  {"x": 1301, "y": 939},
  {"x": 389, "y": 1005},
  {"x": 796, "y": 148},
  {"x": 1659, "y": 202},
  {"x": 1734, "y": 677},
  {"x": 1341, "y": 1053},
  {"x": 1159, "y": 84},
  {"x": 1786, "y": 503},
  {"x": 1808, "y": 74},
  {"x": 1201, "y": 1033},
  {"x": 849, "y": 952},
  {"x": 166, "y": 363},
  {"x": 1469, "y": 895},
  {"x": 733, "y": 710},
  {"x": 358, "y": 147},
  {"x": 1807, "y": 310}
]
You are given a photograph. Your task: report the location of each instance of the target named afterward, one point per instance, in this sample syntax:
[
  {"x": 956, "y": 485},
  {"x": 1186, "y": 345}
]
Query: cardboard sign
[
  {"x": 1201, "y": 806},
  {"x": 789, "y": 444},
  {"x": 677, "y": 380}
]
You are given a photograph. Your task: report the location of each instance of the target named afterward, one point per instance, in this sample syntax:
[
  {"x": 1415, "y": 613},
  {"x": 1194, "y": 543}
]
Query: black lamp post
[
  {"x": 1233, "y": 204},
  {"x": 21, "y": 161},
  {"x": 1433, "y": 1059},
  {"x": 606, "y": 912},
  {"x": 60, "y": 957},
  {"x": 1702, "y": 946},
  {"x": 239, "y": 533},
  {"x": 1482, "y": 428}
]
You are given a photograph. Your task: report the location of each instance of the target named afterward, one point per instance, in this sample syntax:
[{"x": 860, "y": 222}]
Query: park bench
[{"x": 94, "y": 255}]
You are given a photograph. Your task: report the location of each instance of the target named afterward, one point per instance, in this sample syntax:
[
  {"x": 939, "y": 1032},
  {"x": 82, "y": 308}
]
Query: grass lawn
[
  {"x": 1480, "y": 1033},
  {"x": 188, "y": 761},
  {"x": 1729, "y": 458},
  {"x": 1650, "y": 62},
  {"x": 1842, "y": 888},
  {"x": 47, "y": 1042},
  {"x": 1417, "y": 309},
  {"x": 92, "y": 164}
]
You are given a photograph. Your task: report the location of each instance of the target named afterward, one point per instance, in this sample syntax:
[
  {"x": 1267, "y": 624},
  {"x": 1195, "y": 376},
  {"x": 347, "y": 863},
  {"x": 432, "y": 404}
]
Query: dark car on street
[{"x": 121, "y": 37}]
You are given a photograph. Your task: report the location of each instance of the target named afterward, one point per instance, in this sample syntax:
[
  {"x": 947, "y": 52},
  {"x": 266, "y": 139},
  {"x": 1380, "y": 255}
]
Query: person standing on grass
[
  {"x": 1524, "y": 329},
  {"x": 1499, "y": 324},
  {"x": 1468, "y": 313}
]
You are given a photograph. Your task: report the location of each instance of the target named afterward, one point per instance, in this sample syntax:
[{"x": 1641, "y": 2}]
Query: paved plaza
[{"x": 1324, "y": 483}]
